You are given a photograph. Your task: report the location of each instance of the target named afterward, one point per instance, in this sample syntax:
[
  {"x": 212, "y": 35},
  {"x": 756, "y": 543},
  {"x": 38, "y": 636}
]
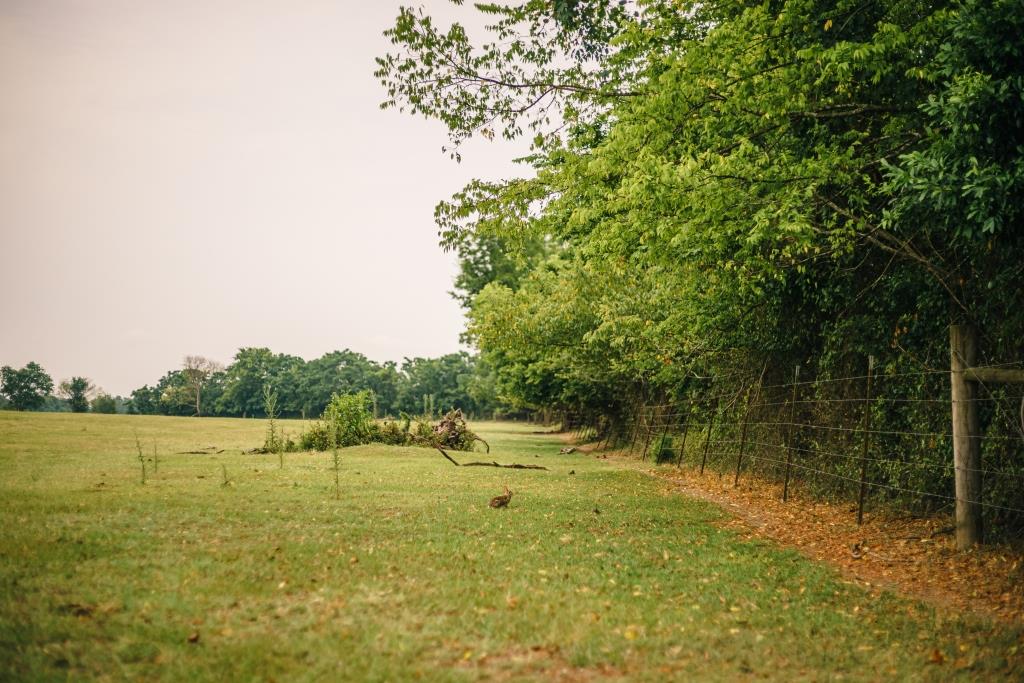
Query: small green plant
[
  {"x": 224, "y": 482},
  {"x": 336, "y": 460},
  {"x": 156, "y": 461},
  {"x": 274, "y": 442},
  {"x": 142, "y": 458}
]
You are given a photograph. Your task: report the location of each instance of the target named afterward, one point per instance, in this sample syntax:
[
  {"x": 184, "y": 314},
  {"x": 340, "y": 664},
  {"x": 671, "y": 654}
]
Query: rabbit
[{"x": 502, "y": 500}]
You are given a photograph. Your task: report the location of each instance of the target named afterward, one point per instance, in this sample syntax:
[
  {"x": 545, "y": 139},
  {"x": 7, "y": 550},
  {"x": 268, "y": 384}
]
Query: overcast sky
[{"x": 195, "y": 176}]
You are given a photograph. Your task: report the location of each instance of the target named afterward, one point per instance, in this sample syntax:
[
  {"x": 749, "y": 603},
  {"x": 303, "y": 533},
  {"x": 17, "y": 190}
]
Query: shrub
[
  {"x": 317, "y": 437},
  {"x": 346, "y": 422},
  {"x": 104, "y": 403},
  {"x": 392, "y": 433}
]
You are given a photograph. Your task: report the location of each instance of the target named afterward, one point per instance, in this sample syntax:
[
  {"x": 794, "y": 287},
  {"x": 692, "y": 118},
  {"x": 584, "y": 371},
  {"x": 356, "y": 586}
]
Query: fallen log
[
  {"x": 514, "y": 466},
  {"x": 209, "y": 450}
]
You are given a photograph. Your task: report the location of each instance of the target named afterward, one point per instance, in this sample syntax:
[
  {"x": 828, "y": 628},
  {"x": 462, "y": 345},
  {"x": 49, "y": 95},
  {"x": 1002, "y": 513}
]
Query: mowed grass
[{"x": 409, "y": 574}]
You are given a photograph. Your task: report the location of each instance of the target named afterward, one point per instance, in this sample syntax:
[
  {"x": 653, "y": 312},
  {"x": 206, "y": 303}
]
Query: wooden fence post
[
  {"x": 867, "y": 444},
  {"x": 963, "y": 346},
  {"x": 789, "y": 434}
]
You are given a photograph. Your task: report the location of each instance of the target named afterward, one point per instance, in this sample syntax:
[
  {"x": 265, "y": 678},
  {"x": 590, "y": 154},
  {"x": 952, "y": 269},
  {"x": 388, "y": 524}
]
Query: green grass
[{"x": 600, "y": 574}]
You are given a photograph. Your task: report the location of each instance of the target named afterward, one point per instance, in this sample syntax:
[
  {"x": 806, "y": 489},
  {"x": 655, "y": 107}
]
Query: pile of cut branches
[{"x": 451, "y": 432}]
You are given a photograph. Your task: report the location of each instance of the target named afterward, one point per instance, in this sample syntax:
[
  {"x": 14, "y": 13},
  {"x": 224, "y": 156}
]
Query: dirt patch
[{"x": 912, "y": 556}]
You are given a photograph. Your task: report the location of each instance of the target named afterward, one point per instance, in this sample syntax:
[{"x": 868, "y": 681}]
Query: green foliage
[
  {"x": 276, "y": 441},
  {"x": 305, "y": 388},
  {"x": 729, "y": 187},
  {"x": 76, "y": 391},
  {"x": 27, "y": 388},
  {"x": 142, "y": 459},
  {"x": 318, "y": 437},
  {"x": 104, "y": 403},
  {"x": 423, "y": 432},
  {"x": 347, "y": 421},
  {"x": 391, "y": 432}
]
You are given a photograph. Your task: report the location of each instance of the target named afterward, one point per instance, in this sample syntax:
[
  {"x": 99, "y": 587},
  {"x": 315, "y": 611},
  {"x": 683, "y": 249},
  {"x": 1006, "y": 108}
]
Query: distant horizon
[
  {"x": 99, "y": 387},
  {"x": 175, "y": 178}
]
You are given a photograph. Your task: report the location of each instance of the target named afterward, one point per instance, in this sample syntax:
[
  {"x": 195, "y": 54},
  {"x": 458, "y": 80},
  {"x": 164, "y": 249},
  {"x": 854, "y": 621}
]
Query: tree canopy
[
  {"x": 704, "y": 174},
  {"x": 729, "y": 189},
  {"x": 305, "y": 388},
  {"x": 27, "y": 388}
]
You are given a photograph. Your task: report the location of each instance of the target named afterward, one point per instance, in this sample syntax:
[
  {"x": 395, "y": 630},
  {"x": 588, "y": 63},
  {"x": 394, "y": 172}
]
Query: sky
[{"x": 192, "y": 177}]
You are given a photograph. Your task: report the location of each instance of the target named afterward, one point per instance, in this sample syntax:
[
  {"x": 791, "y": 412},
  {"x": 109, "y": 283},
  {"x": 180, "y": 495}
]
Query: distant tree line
[
  {"x": 419, "y": 386},
  {"x": 304, "y": 388},
  {"x": 31, "y": 388}
]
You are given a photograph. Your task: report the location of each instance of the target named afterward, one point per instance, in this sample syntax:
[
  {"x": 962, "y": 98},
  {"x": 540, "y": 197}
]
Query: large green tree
[
  {"x": 26, "y": 388},
  {"x": 77, "y": 392},
  {"x": 754, "y": 158}
]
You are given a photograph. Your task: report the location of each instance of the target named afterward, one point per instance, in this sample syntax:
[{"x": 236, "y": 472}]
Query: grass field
[{"x": 409, "y": 574}]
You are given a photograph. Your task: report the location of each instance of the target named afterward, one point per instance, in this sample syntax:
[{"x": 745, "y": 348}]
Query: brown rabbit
[{"x": 502, "y": 500}]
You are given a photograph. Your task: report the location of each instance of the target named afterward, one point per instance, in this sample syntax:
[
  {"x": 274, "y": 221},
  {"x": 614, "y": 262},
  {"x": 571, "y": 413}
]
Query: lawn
[{"x": 597, "y": 574}]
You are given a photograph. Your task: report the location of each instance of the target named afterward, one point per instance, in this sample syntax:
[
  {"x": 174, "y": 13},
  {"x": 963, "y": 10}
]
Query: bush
[
  {"x": 346, "y": 422},
  {"x": 392, "y": 433},
  {"x": 317, "y": 437},
  {"x": 104, "y": 403}
]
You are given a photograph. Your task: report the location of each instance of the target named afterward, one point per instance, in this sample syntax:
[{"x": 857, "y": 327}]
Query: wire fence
[{"x": 883, "y": 440}]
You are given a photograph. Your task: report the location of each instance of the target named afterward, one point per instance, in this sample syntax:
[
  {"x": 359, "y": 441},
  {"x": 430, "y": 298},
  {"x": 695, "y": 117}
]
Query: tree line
[
  {"x": 728, "y": 190},
  {"x": 32, "y": 388},
  {"x": 304, "y": 388},
  {"x": 419, "y": 386}
]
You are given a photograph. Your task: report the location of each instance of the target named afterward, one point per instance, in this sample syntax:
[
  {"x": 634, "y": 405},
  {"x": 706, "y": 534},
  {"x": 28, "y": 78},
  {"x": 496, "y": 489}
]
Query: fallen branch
[
  {"x": 434, "y": 444},
  {"x": 487, "y": 445},
  {"x": 514, "y": 466}
]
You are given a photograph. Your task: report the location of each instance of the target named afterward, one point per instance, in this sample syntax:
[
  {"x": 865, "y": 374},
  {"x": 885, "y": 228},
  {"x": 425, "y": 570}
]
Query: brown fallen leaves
[{"x": 913, "y": 556}]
